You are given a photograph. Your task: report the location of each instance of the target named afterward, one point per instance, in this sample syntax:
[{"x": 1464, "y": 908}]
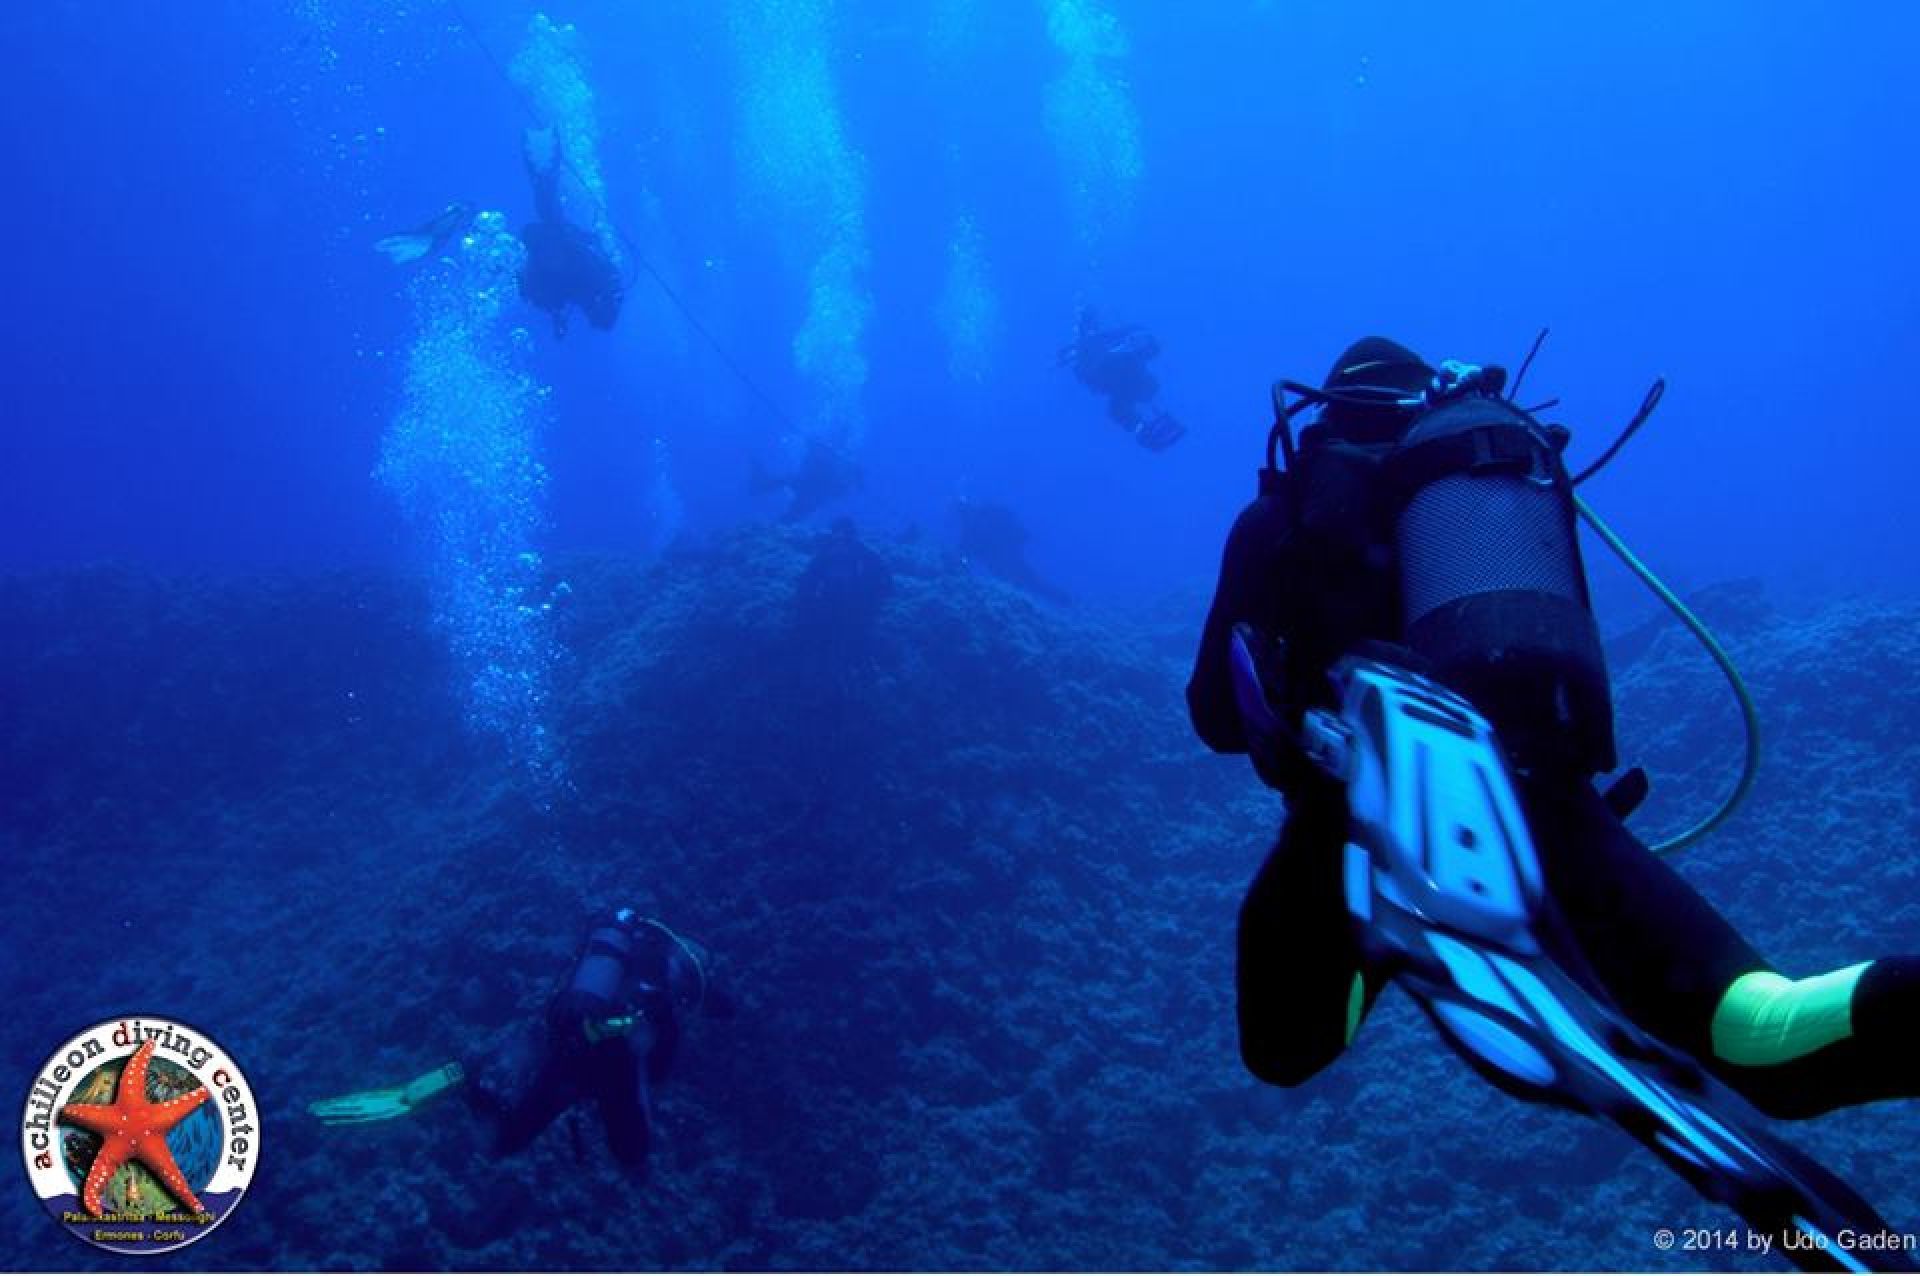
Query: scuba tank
[
  {"x": 1493, "y": 589},
  {"x": 1494, "y": 592},
  {"x": 626, "y": 961},
  {"x": 598, "y": 980}
]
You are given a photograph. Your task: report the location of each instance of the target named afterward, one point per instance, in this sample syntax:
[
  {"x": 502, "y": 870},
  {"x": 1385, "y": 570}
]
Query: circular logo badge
[{"x": 140, "y": 1134}]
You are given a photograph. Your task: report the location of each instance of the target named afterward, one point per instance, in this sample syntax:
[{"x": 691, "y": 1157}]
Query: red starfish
[{"x": 134, "y": 1129}]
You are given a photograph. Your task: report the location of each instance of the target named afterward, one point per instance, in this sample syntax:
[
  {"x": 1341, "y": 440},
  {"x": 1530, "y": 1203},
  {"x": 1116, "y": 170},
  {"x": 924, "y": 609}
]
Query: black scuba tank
[
  {"x": 600, "y": 975},
  {"x": 1493, "y": 590}
]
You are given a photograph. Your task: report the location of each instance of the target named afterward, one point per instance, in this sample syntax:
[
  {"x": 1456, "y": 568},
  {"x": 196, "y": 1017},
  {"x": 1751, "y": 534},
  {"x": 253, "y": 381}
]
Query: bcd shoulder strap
[{"x": 1338, "y": 494}]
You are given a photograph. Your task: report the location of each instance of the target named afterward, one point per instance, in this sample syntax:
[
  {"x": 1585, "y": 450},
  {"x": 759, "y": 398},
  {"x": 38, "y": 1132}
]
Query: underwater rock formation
[{"x": 973, "y": 882}]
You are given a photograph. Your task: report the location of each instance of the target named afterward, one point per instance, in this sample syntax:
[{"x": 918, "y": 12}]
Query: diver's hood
[{"x": 1371, "y": 375}]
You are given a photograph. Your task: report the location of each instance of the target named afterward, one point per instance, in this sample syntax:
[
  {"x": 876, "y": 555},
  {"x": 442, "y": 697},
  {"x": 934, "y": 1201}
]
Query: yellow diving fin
[{"x": 385, "y": 1105}]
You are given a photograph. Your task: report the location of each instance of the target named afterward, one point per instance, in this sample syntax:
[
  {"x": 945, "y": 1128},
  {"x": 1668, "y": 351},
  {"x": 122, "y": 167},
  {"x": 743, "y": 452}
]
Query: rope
[{"x": 667, "y": 290}]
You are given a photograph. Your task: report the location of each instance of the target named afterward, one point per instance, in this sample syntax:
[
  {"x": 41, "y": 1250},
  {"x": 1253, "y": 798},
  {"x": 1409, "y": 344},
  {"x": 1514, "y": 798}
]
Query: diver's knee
[
  {"x": 1286, "y": 1073},
  {"x": 1765, "y": 1019},
  {"x": 1774, "y": 1038},
  {"x": 1278, "y": 1067}
]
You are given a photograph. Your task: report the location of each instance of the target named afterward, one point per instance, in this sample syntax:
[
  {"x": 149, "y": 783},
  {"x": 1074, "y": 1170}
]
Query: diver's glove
[
  {"x": 1270, "y": 710},
  {"x": 1259, "y": 692}
]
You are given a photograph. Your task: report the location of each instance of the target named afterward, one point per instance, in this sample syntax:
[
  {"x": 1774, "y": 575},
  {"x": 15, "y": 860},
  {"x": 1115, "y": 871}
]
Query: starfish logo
[{"x": 140, "y": 1134}]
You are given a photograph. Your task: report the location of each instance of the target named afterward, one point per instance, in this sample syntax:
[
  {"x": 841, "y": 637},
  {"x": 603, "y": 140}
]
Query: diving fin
[
  {"x": 436, "y": 233},
  {"x": 1159, "y": 432},
  {"x": 1250, "y": 681},
  {"x": 384, "y": 1105},
  {"x": 401, "y": 249}
]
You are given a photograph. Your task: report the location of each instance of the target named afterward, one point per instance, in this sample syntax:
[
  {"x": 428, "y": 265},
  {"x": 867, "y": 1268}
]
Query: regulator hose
[{"x": 1749, "y": 715}]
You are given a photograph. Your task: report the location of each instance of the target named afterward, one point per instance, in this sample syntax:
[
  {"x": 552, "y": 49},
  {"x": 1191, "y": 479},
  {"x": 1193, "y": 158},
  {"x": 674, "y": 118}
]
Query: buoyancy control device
[{"x": 1494, "y": 591}]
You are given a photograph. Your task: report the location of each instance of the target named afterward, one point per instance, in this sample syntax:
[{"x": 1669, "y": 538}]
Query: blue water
[{"x": 412, "y": 631}]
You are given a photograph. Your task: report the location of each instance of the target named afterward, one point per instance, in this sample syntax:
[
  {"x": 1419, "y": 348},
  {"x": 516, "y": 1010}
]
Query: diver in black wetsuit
[
  {"x": 839, "y": 594},
  {"x": 1112, "y": 362},
  {"x": 612, "y": 1031},
  {"x": 566, "y": 265},
  {"x": 824, "y": 475},
  {"x": 995, "y": 538},
  {"x": 1312, "y": 572}
]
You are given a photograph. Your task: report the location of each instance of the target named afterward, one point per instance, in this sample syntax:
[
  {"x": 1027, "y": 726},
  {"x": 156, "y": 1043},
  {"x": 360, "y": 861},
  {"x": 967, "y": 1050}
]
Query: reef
[{"x": 969, "y": 875}]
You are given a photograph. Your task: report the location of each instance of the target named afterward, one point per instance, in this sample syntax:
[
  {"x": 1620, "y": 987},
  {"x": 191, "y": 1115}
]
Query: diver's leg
[
  {"x": 1300, "y": 987},
  {"x": 1656, "y": 945},
  {"x": 665, "y": 1025},
  {"x": 1681, "y": 970},
  {"x": 1797, "y": 1048},
  {"x": 626, "y": 1107},
  {"x": 554, "y": 1086}
]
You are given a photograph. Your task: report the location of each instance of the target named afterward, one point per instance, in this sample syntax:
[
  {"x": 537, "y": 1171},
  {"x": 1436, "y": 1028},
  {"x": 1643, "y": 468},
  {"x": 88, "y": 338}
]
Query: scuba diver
[
  {"x": 842, "y": 588},
  {"x": 611, "y": 1032},
  {"x": 1412, "y": 574},
  {"x": 993, "y": 536},
  {"x": 567, "y": 265},
  {"x": 1112, "y": 362},
  {"x": 824, "y": 476}
]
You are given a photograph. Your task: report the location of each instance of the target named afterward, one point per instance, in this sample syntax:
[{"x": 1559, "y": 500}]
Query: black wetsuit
[
  {"x": 1325, "y": 584},
  {"x": 841, "y": 591},
  {"x": 1112, "y": 362},
  {"x": 617, "y": 1067},
  {"x": 993, "y": 536},
  {"x": 566, "y": 264}
]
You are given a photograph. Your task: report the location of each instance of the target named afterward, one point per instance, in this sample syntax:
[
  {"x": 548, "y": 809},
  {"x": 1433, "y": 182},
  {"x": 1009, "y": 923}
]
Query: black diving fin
[{"x": 429, "y": 237}]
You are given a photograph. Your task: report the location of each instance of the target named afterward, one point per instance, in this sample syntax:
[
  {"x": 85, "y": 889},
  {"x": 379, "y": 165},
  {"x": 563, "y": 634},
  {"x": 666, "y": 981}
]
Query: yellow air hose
[{"x": 1748, "y": 713}]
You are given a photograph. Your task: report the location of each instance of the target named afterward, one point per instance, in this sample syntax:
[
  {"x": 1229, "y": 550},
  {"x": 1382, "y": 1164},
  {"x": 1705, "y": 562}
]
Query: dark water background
[{"x": 971, "y": 874}]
